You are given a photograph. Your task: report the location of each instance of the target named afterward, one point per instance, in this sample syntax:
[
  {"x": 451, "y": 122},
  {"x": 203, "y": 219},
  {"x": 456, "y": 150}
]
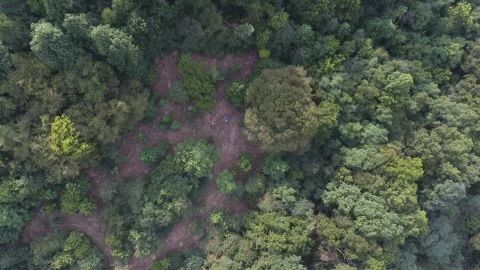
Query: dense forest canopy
[{"x": 354, "y": 134}]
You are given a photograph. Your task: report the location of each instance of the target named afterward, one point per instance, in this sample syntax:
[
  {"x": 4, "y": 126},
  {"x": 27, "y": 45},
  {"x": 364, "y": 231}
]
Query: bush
[
  {"x": 275, "y": 167},
  {"x": 193, "y": 262},
  {"x": 58, "y": 251},
  {"x": 177, "y": 93},
  {"x": 75, "y": 200},
  {"x": 244, "y": 163},
  {"x": 192, "y": 112},
  {"x": 236, "y": 94},
  {"x": 255, "y": 185},
  {"x": 163, "y": 264},
  {"x": 195, "y": 157},
  {"x": 152, "y": 108},
  {"x": 264, "y": 53},
  {"x": 167, "y": 123},
  {"x": 199, "y": 82},
  {"x": 217, "y": 218},
  {"x": 226, "y": 182},
  {"x": 475, "y": 242},
  {"x": 151, "y": 155},
  {"x": 142, "y": 138}
]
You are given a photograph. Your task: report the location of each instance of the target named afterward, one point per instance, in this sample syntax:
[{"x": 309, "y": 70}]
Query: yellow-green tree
[{"x": 65, "y": 139}]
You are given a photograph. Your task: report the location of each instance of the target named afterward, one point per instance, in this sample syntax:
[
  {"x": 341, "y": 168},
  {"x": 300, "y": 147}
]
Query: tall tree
[
  {"x": 52, "y": 46},
  {"x": 280, "y": 113}
]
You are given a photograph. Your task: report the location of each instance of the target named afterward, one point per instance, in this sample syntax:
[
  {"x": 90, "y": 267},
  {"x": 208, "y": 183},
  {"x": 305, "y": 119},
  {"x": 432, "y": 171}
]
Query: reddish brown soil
[
  {"x": 37, "y": 227},
  {"x": 228, "y": 137}
]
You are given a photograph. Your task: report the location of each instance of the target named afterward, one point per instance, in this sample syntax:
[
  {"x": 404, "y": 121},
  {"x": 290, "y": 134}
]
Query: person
[{"x": 226, "y": 118}]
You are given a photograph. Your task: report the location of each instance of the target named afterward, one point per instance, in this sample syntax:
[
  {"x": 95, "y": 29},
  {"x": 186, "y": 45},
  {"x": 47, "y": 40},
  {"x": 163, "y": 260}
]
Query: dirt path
[
  {"x": 37, "y": 227},
  {"x": 228, "y": 137}
]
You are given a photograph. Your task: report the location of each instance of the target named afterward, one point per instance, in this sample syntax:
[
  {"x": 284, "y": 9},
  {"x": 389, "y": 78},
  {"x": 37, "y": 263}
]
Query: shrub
[
  {"x": 142, "y": 138},
  {"x": 236, "y": 94},
  {"x": 475, "y": 242},
  {"x": 178, "y": 93},
  {"x": 163, "y": 264},
  {"x": 75, "y": 200},
  {"x": 151, "y": 109},
  {"x": 167, "y": 123},
  {"x": 226, "y": 182},
  {"x": 255, "y": 185},
  {"x": 217, "y": 217},
  {"x": 195, "y": 157},
  {"x": 244, "y": 163},
  {"x": 192, "y": 112},
  {"x": 175, "y": 125},
  {"x": 151, "y": 155},
  {"x": 275, "y": 167},
  {"x": 193, "y": 262},
  {"x": 264, "y": 53},
  {"x": 199, "y": 82}
]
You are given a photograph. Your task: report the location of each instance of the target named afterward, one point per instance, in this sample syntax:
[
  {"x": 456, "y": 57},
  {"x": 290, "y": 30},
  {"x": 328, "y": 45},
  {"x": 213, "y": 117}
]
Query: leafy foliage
[
  {"x": 75, "y": 200},
  {"x": 195, "y": 157},
  {"x": 61, "y": 251},
  {"x": 199, "y": 82},
  {"x": 52, "y": 46},
  {"x": 226, "y": 182},
  {"x": 151, "y": 155},
  {"x": 64, "y": 139},
  {"x": 374, "y": 106},
  {"x": 117, "y": 47},
  {"x": 236, "y": 94},
  {"x": 280, "y": 114}
]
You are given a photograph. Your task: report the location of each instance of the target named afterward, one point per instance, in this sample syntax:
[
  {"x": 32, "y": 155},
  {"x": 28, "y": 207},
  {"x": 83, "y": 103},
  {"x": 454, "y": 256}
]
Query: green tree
[
  {"x": 77, "y": 26},
  {"x": 475, "y": 242},
  {"x": 13, "y": 32},
  {"x": 377, "y": 193},
  {"x": 56, "y": 10},
  {"x": 280, "y": 114},
  {"x": 52, "y": 46},
  {"x": 275, "y": 168},
  {"x": 75, "y": 198},
  {"x": 195, "y": 157},
  {"x": 166, "y": 196},
  {"x": 460, "y": 17},
  {"x": 60, "y": 251},
  {"x": 5, "y": 61},
  {"x": 12, "y": 220},
  {"x": 278, "y": 262},
  {"x": 118, "y": 48},
  {"x": 243, "y": 35}
]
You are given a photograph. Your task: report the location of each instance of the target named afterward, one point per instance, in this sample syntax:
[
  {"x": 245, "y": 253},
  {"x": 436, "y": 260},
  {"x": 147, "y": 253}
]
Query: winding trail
[{"x": 228, "y": 137}]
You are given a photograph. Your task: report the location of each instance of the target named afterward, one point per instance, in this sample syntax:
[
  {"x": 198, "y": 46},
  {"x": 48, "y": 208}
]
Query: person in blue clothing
[{"x": 226, "y": 118}]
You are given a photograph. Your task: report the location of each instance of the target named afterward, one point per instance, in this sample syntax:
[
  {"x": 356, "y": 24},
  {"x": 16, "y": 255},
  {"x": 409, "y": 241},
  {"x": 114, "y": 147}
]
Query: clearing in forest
[{"x": 222, "y": 127}]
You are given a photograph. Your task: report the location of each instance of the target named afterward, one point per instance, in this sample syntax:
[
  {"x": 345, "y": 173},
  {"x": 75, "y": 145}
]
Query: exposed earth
[{"x": 222, "y": 127}]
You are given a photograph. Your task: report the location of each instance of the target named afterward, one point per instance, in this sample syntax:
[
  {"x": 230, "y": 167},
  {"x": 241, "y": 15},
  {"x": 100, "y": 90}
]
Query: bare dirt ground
[
  {"x": 37, "y": 227},
  {"x": 227, "y": 136}
]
